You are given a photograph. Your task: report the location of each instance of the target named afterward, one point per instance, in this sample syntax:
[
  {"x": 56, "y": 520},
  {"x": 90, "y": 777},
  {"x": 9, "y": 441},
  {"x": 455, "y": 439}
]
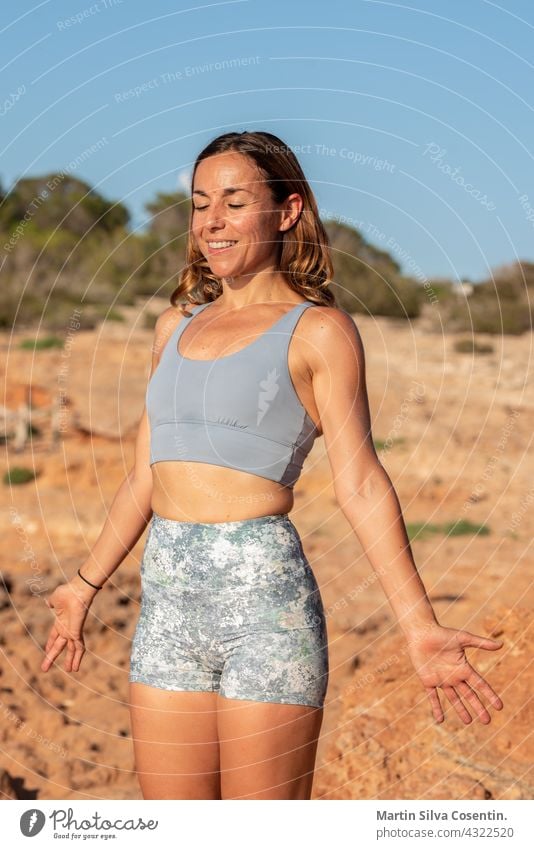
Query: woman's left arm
[{"x": 368, "y": 499}]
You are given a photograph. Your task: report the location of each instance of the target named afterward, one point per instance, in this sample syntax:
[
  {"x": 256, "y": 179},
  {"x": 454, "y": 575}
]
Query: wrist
[
  {"x": 82, "y": 588},
  {"x": 413, "y": 629}
]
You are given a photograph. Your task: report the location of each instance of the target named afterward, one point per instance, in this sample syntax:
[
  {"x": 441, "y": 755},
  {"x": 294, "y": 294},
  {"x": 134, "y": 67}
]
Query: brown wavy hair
[{"x": 304, "y": 252}]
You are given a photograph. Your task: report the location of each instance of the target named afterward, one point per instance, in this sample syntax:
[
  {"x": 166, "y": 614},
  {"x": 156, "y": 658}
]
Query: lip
[{"x": 221, "y": 250}]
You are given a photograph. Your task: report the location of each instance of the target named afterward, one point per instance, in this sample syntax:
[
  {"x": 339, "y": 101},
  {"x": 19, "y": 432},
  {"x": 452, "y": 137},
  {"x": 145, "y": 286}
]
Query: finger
[
  {"x": 80, "y": 649},
  {"x": 476, "y": 680},
  {"x": 458, "y": 705},
  {"x": 436, "y": 705},
  {"x": 51, "y": 639},
  {"x": 69, "y": 656},
  {"x": 53, "y": 652},
  {"x": 479, "y": 642},
  {"x": 465, "y": 690},
  {"x": 48, "y": 648}
]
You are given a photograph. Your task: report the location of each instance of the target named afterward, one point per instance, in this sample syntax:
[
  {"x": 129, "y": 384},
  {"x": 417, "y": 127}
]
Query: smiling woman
[
  {"x": 229, "y": 663},
  {"x": 242, "y": 183}
]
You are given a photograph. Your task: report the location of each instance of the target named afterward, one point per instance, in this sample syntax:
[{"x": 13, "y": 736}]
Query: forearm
[
  {"x": 127, "y": 518},
  {"x": 375, "y": 515}
]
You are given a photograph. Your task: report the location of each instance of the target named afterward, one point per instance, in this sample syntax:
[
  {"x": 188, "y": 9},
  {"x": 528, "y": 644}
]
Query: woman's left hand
[{"x": 439, "y": 659}]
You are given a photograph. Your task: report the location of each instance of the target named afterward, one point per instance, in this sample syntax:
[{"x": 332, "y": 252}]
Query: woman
[{"x": 229, "y": 664}]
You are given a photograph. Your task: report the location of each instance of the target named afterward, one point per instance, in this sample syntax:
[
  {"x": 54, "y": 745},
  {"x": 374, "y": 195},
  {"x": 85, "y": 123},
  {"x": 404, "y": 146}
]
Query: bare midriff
[{"x": 201, "y": 492}]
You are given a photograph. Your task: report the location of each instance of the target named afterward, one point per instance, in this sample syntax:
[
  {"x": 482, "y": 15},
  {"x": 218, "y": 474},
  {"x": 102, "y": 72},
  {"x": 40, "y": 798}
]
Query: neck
[{"x": 267, "y": 286}]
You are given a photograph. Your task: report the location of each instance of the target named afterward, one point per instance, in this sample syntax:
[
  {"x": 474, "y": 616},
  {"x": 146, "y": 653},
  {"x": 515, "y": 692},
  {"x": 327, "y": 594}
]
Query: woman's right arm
[
  {"x": 130, "y": 510},
  {"x": 127, "y": 518}
]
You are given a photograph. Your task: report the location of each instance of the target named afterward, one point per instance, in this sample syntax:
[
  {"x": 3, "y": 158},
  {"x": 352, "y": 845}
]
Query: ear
[{"x": 291, "y": 211}]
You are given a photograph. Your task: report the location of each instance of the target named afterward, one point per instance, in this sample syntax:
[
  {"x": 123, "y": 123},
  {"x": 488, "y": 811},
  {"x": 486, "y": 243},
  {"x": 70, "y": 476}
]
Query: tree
[
  {"x": 59, "y": 200},
  {"x": 170, "y": 216},
  {"x": 369, "y": 279}
]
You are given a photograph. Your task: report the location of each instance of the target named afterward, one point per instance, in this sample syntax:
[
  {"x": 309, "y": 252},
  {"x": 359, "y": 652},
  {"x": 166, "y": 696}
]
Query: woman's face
[{"x": 235, "y": 222}]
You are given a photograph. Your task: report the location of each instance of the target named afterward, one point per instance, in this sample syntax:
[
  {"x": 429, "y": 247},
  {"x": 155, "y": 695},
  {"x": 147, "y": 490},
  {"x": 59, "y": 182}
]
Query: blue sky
[{"x": 412, "y": 121}]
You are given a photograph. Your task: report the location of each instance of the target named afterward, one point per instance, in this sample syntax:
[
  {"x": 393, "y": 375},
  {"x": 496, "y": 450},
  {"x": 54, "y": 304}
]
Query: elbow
[
  {"x": 357, "y": 491},
  {"x": 141, "y": 479}
]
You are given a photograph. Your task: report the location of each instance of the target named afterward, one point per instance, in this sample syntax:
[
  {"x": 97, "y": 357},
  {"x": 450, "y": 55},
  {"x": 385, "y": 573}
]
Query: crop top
[{"x": 240, "y": 411}]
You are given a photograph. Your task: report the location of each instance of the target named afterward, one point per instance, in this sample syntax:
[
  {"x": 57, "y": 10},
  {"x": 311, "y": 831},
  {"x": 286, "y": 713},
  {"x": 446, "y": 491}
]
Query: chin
[{"x": 225, "y": 270}]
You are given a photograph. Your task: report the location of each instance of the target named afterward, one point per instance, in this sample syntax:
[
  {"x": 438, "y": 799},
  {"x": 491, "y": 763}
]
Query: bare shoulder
[
  {"x": 166, "y": 324},
  {"x": 333, "y": 336},
  {"x": 170, "y": 315}
]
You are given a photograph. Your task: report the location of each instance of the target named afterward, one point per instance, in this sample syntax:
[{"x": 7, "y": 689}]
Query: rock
[{"x": 391, "y": 748}]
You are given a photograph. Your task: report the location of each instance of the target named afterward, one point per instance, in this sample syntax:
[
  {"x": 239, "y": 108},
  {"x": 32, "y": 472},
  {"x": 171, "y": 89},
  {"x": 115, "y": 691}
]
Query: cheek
[
  {"x": 244, "y": 224},
  {"x": 196, "y": 230},
  {"x": 252, "y": 226}
]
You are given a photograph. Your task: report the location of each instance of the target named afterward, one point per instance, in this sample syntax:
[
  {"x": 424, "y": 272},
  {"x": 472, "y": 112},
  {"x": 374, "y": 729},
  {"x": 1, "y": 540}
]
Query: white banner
[{"x": 242, "y": 823}]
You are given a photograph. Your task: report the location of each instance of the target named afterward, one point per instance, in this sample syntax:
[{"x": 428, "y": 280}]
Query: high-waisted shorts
[{"x": 233, "y": 608}]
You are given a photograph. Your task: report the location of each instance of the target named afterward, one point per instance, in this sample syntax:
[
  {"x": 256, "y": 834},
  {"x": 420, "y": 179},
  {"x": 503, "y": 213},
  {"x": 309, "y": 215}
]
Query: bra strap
[
  {"x": 182, "y": 324},
  {"x": 289, "y": 321}
]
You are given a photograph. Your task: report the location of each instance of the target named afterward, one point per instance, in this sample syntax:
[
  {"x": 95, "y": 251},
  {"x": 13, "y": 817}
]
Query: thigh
[
  {"x": 175, "y": 741},
  {"x": 267, "y": 750}
]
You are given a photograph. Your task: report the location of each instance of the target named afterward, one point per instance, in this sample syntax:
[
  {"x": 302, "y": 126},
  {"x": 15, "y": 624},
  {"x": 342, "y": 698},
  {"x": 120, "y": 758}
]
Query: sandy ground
[{"x": 458, "y": 432}]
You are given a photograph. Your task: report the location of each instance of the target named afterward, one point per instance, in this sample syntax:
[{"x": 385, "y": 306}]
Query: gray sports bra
[{"x": 240, "y": 411}]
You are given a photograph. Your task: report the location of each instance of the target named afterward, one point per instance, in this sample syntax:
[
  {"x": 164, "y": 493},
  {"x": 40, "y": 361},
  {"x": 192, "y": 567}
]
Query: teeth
[{"x": 220, "y": 244}]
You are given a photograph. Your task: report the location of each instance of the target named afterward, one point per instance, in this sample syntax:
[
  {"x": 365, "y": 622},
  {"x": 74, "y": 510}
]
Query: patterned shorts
[{"x": 231, "y": 607}]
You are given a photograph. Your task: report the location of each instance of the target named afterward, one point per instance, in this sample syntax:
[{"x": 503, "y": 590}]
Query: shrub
[
  {"x": 421, "y": 529},
  {"x": 42, "y": 344},
  {"x": 488, "y": 314},
  {"x": 367, "y": 279},
  {"x": 18, "y": 475},
  {"x": 381, "y": 444},
  {"x": 149, "y": 321},
  {"x": 472, "y": 346},
  {"x": 462, "y": 527}
]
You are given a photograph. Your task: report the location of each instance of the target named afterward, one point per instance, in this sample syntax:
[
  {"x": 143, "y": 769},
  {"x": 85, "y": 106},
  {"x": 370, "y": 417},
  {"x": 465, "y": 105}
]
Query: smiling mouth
[{"x": 221, "y": 245}]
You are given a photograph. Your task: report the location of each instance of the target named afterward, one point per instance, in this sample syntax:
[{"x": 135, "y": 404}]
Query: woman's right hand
[{"x": 70, "y": 604}]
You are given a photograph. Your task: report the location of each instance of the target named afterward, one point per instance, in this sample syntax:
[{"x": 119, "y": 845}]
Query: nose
[
  {"x": 215, "y": 224},
  {"x": 215, "y": 217}
]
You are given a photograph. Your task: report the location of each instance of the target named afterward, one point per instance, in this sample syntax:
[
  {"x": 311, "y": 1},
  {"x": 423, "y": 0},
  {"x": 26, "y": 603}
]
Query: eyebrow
[{"x": 229, "y": 191}]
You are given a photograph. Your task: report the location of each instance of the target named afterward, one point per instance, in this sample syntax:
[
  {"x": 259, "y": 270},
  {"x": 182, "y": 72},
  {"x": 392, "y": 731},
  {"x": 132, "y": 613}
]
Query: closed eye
[{"x": 231, "y": 205}]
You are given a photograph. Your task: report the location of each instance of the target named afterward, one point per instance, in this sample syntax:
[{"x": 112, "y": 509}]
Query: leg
[
  {"x": 175, "y": 739},
  {"x": 267, "y": 750},
  {"x": 173, "y": 682},
  {"x": 269, "y": 714}
]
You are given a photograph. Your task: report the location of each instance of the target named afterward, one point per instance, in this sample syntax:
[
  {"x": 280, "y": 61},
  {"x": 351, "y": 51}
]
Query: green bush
[
  {"x": 501, "y": 305},
  {"x": 460, "y": 527},
  {"x": 149, "y": 321},
  {"x": 472, "y": 346},
  {"x": 367, "y": 279},
  {"x": 421, "y": 530},
  {"x": 381, "y": 444},
  {"x": 488, "y": 314},
  {"x": 106, "y": 313},
  {"x": 42, "y": 344},
  {"x": 18, "y": 475},
  {"x": 505, "y": 316},
  {"x": 443, "y": 289},
  {"x": 66, "y": 202}
]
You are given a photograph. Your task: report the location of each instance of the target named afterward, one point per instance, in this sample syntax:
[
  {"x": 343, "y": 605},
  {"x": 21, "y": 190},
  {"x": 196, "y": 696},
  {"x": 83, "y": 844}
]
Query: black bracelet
[{"x": 88, "y": 582}]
